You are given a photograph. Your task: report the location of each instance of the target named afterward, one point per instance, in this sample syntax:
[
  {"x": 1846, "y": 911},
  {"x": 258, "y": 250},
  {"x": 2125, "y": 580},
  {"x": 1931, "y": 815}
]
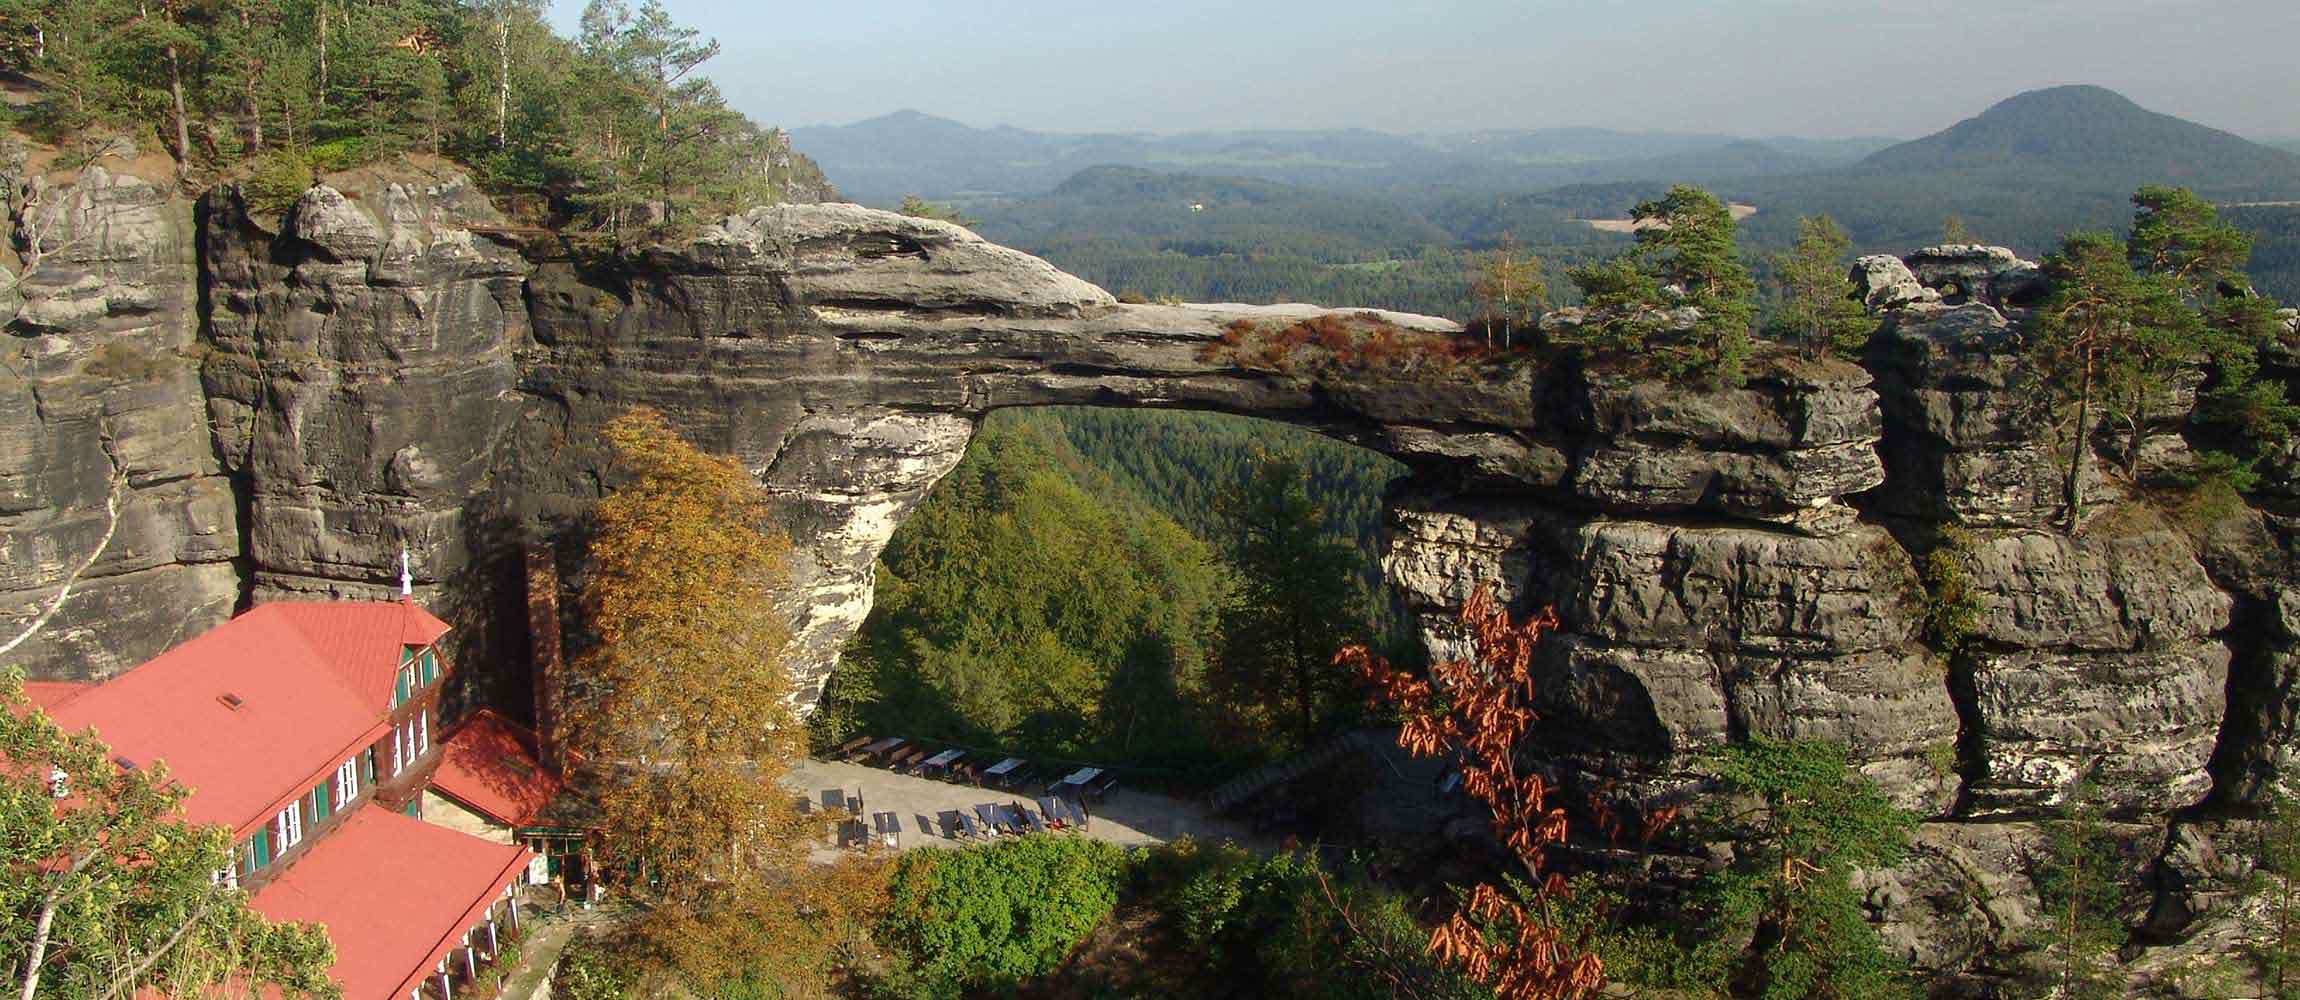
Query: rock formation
[
  {"x": 287, "y": 402},
  {"x": 101, "y": 406}
]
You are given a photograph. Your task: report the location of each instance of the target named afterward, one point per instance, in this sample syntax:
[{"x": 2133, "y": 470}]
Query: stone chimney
[{"x": 543, "y": 637}]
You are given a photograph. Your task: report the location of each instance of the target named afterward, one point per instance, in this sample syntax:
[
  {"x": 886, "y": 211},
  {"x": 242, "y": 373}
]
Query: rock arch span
[{"x": 291, "y": 399}]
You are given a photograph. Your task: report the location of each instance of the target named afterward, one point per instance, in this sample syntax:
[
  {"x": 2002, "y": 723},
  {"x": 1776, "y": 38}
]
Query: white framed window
[
  {"x": 228, "y": 876},
  {"x": 287, "y": 828},
  {"x": 346, "y": 782},
  {"x": 422, "y": 731},
  {"x": 398, "y": 750}
]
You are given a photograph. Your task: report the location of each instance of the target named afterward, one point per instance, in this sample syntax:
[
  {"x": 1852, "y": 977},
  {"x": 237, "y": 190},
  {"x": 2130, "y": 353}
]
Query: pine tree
[
  {"x": 1685, "y": 257},
  {"x": 1820, "y": 309},
  {"x": 2108, "y": 342},
  {"x": 2181, "y": 240},
  {"x": 2275, "y": 937},
  {"x": 1297, "y": 602},
  {"x": 1783, "y": 920}
]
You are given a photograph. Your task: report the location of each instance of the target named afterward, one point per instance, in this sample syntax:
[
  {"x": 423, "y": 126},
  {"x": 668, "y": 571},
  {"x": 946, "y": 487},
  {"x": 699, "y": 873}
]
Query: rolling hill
[
  {"x": 2023, "y": 173},
  {"x": 884, "y": 158},
  {"x": 1368, "y": 218},
  {"x": 2091, "y": 137}
]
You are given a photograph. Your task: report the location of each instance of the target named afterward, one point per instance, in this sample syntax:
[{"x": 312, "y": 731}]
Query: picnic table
[
  {"x": 851, "y": 746},
  {"x": 940, "y": 761},
  {"x": 990, "y": 816},
  {"x": 997, "y": 772},
  {"x": 879, "y": 747},
  {"x": 1074, "y": 780}
]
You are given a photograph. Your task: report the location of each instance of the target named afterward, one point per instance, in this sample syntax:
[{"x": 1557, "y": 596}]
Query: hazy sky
[{"x": 1751, "y": 67}]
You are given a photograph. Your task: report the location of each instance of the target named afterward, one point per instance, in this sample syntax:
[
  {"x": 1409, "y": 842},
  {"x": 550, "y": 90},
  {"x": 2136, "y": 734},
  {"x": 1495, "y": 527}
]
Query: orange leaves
[
  {"x": 1485, "y": 716},
  {"x": 685, "y": 712},
  {"x": 1332, "y": 343}
]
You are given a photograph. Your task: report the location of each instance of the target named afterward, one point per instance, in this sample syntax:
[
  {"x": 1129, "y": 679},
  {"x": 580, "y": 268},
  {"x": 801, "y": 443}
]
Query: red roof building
[
  {"x": 392, "y": 931},
  {"x": 490, "y": 767},
  {"x": 306, "y": 729}
]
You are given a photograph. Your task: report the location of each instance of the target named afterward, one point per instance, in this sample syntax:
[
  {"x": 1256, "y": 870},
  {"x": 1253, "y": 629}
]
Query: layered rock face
[
  {"x": 1709, "y": 579},
  {"x": 2094, "y": 654},
  {"x": 290, "y": 402},
  {"x": 360, "y": 379},
  {"x": 104, "y": 445}
]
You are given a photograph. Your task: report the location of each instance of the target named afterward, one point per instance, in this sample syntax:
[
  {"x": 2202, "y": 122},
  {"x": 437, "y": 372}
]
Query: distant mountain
[
  {"x": 882, "y": 159},
  {"x": 2024, "y": 173},
  {"x": 2092, "y": 137}
]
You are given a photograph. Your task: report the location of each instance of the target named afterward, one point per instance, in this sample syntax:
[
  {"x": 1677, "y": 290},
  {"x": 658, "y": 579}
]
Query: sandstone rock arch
[{"x": 292, "y": 399}]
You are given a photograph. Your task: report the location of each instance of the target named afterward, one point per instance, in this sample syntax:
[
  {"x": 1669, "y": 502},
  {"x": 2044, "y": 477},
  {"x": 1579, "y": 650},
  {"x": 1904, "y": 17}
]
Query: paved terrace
[{"x": 1126, "y": 817}]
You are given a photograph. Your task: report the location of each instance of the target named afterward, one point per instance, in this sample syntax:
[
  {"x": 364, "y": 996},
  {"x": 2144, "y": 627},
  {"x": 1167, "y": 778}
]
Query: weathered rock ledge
[{"x": 288, "y": 402}]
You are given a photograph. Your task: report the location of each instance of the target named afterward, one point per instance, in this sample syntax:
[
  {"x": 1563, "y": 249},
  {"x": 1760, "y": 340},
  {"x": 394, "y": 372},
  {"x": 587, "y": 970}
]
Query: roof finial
[{"x": 406, "y": 576}]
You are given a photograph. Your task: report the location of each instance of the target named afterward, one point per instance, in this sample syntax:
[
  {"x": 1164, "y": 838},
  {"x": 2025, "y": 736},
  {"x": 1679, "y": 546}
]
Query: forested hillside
[
  {"x": 1181, "y": 462},
  {"x": 908, "y": 152},
  {"x": 614, "y": 131},
  {"x": 1227, "y": 239},
  {"x": 1064, "y": 589},
  {"x": 2022, "y": 173}
]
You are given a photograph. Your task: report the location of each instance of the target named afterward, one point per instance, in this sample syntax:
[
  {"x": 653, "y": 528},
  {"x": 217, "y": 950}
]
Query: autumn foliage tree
[
  {"x": 686, "y": 719},
  {"x": 1479, "y": 711},
  {"x": 108, "y": 893}
]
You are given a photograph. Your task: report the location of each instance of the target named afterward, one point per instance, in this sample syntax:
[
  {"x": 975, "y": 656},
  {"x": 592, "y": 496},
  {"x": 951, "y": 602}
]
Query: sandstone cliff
[{"x": 285, "y": 403}]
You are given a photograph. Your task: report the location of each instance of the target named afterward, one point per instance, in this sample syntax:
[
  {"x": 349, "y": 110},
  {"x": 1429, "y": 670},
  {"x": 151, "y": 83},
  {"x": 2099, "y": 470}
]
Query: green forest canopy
[
  {"x": 1061, "y": 590},
  {"x": 615, "y": 129}
]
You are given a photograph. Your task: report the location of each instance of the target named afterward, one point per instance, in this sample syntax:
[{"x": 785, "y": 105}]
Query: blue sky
[{"x": 1754, "y": 67}]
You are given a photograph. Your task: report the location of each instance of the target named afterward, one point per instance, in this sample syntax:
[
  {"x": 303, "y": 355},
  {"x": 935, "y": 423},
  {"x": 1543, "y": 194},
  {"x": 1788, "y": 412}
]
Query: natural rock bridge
[{"x": 290, "y": 401}]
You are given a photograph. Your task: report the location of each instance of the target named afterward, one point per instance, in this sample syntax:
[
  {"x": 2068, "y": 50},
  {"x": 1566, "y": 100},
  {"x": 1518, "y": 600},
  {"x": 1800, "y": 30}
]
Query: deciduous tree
[
  {"x": 104, "y": 890},
  {"x": 1479, "y": 711},
  {"x": 685, "y": 716},
  {"x": 1509, "y": 288}
]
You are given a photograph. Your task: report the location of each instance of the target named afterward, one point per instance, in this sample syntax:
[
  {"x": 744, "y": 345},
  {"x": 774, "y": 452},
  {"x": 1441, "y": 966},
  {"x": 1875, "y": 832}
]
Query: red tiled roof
[
  {"x": 314, "y": 684},
  {"x": 490, "y": 765},
  {"x": 49, "y": 695},
  {"x": 394, "y": 893}
]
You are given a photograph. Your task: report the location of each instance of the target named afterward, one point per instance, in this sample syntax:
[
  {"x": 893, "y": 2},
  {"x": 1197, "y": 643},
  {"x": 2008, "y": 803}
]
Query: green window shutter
[
  {"x": 260, "y": 848},
  {"x": 430, "y": 666},
  {"x": 414, "y": 808},
  {"x": 319, "y": 801},
  {"x": 400, "y": 692}
]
